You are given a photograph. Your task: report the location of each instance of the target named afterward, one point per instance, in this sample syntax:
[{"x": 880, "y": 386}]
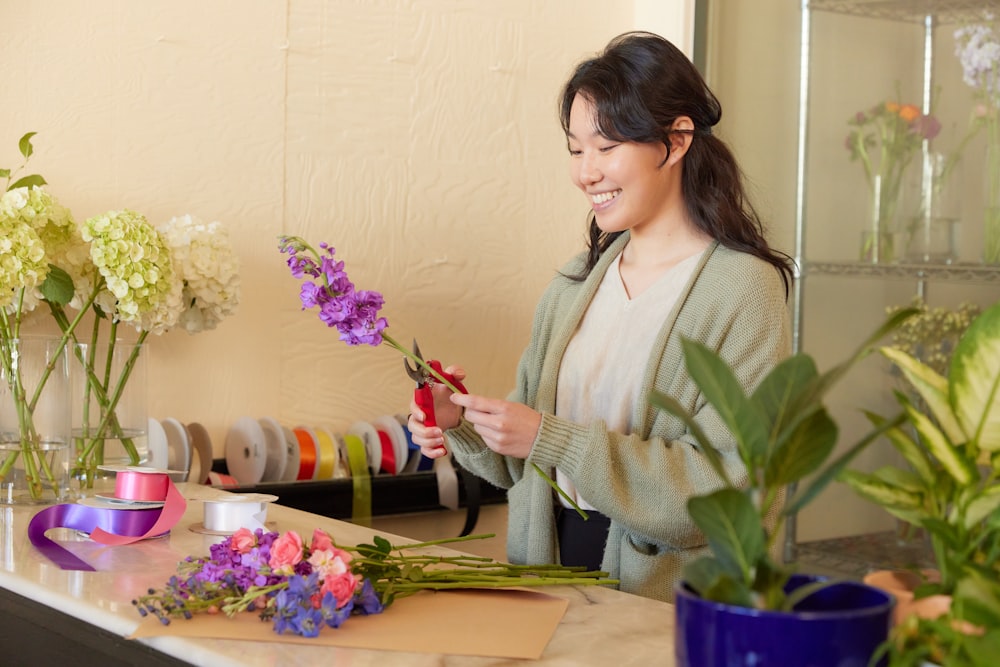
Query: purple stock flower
[{"x": 354, "y": 313}]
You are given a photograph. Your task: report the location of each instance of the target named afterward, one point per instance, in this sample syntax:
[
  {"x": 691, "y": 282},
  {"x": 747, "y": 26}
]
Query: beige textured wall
[{"x": 419, "y": 137}]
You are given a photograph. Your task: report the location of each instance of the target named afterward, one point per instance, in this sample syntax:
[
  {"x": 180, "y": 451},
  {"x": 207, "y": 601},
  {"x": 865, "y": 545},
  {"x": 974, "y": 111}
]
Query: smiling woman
[{"x": 672, "y": 238}]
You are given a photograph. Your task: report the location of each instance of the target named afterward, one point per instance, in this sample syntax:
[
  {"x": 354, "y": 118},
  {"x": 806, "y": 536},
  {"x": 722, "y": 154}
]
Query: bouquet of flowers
[
  {"x": 355, "y": 313},
  {"x": 978, "y": 48},
  {"x": 300, "y": 587},
  {"x": 884, "y": 139}
]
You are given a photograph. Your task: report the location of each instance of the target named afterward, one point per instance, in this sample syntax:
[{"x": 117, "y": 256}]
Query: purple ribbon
[{"x": 85, "y": 519}]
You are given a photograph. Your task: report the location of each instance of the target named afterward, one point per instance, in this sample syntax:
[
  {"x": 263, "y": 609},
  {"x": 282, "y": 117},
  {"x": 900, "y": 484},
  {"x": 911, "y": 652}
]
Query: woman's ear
[{"x": 681, "y": 132}]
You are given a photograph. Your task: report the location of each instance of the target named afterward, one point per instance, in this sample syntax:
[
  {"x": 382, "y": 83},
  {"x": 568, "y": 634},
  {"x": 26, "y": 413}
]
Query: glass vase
[
  {"x": 34, "y": 420},
  {"x": 877, "y": 240},
  {"x": 930, "y": 231},
  {"x": 110, "y": 413}
]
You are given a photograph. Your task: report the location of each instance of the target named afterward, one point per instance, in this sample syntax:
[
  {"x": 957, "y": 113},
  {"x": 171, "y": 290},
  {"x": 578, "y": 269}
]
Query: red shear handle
[
  {"x": 425, "y": 401},
  {"x": 436, "y": 365},
  {"x": 423, "y": 397}
]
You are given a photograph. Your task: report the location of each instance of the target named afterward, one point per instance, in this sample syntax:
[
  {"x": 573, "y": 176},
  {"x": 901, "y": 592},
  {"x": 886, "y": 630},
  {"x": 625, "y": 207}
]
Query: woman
[{"x": 676, "y": 251}]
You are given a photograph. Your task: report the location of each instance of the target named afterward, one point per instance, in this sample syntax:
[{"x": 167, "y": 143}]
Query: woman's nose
[{"x": 590, "y": 171}]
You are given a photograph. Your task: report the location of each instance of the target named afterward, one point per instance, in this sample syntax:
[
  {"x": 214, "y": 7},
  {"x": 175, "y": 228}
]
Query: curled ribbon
[{"x": 108, "y": 525}]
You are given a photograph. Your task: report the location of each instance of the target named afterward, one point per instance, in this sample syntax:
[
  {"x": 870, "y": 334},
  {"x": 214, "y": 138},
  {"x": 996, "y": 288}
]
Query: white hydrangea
[
  {"x": 204, "y": 259},
  {"x": 141, "y": 286}
]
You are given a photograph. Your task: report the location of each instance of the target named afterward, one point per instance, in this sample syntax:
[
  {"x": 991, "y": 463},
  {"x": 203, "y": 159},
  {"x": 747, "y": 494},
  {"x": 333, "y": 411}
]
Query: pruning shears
[{"x": 425, "y": 380}]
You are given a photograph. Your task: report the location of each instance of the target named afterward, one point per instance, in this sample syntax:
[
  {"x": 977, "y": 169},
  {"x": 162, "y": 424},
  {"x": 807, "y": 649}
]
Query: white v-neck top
[{"x": 601, "y": 373}]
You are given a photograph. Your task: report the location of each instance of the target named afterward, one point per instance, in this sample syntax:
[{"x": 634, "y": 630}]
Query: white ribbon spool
[{"x": 227, "y": 514}]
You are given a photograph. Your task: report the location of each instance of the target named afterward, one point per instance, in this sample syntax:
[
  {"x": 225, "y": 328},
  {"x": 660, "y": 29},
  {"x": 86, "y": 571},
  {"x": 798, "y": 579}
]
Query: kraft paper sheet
[{"x": 510, "y": 623}]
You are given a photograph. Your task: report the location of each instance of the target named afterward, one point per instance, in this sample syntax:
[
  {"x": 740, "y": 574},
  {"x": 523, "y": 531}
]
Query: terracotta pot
[{"x": 901, "y": 584}]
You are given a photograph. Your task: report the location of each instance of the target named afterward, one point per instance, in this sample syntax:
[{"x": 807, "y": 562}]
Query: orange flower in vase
[{"x": 884, "y": 140}]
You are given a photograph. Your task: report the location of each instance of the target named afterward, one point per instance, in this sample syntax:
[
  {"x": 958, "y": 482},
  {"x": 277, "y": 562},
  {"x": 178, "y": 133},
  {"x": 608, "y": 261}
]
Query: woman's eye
[
  {"x": 573, "y": 151},
  {"x": 606, "y": 149}
]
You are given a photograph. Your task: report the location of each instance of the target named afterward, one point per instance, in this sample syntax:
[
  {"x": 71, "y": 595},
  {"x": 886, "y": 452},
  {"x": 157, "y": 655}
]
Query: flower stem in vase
[
  {"x": 91, "y": 440},
  {"x": 991, "y": 214}
]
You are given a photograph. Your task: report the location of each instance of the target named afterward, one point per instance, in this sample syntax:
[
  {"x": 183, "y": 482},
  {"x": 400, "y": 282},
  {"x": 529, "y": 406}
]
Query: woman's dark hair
[{"x": 639, "y": 86}]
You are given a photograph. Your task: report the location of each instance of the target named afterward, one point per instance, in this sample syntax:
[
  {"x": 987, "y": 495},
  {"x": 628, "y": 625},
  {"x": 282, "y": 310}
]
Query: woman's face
[{"x": 625, "y": 184}]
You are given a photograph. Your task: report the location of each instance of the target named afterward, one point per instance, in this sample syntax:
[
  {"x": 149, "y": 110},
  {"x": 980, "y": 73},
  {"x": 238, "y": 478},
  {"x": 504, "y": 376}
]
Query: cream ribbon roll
[{"x": 230, "y": 513}]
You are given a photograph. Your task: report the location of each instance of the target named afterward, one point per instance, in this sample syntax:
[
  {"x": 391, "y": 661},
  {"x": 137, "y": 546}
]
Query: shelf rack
[{"x": 929, "y": 14}]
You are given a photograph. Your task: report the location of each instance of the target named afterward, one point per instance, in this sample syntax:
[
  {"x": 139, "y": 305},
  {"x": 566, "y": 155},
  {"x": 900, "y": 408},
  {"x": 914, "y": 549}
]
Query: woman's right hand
[{"x": 430, "y": 439}]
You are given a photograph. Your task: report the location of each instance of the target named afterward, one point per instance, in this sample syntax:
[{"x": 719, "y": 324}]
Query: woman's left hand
[{"x": 507, "y": 428}]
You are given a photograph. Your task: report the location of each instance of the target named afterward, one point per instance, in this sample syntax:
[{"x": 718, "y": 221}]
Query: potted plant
[
  {"x": 738, "y": 601},
  {"x": 951, "y": 489}
]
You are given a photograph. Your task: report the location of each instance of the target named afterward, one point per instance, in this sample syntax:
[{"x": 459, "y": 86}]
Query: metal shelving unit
[{"x": 928, "y": 14}]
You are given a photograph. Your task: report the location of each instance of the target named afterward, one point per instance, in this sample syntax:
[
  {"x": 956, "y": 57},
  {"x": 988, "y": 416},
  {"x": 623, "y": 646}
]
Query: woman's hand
[
  {"x": 507, "y": 428},
  {"x": 446, "y": 414}
]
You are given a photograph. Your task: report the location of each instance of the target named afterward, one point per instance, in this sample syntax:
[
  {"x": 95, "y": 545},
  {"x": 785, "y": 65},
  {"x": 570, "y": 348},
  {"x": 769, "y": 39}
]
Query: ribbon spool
[
  {"x": 227, "y": 514},
  {"x": 326, "y": 454},
  {"x": 307, "y": 453}
]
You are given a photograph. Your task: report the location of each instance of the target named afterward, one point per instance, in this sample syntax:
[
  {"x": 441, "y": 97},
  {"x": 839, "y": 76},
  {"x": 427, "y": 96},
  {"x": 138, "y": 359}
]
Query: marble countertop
[{"x": 601, "y": 626}]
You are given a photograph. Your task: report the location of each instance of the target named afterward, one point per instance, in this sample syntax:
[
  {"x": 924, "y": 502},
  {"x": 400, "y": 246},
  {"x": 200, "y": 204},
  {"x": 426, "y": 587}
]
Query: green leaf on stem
[
  {"x": 58, "y": 286},
  {"x": 24, "y": 145},
  {"x": 732, "y": 525}
]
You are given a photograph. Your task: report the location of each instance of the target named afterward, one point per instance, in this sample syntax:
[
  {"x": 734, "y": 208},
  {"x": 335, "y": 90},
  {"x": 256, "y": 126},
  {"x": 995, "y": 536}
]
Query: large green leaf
[
  {"x": 27, "y": 182},
  {"x": 702, "y": 574},
  {"x": 803, "y": 451},
  {"x": 833, "y": 470},
  {"x": 733, "y": 528},
  {"x": 725, "y": 393},
  {"x": 881, "y": 491},
  {"x": 777, "y": 392},
  {"x": 914, "y": 454},
  {"x": 975, "y": 380},
  {"x": 670, "y": 405},
  {"x": 947, "y": 454},
  {"x": 57, "y": 287},
  {"x": 983, "y": 505},
  {"x": 932, "y": 388}
]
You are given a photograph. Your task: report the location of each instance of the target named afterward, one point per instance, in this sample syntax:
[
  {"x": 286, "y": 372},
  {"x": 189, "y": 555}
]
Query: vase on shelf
[
  {"x": 930, "y": 233},
  {"x": 877, "y": 241},
  {"x": 34, "y": 420},
  {"x": 110, "y": 413}
]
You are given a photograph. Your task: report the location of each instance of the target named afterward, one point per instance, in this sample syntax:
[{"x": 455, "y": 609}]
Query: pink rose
[
  {"x": 286, "y": 552},
  {"x": 322, "y": 541},
  {"x": 342, "y": 586},
  {"x": 242, "y": 541}
]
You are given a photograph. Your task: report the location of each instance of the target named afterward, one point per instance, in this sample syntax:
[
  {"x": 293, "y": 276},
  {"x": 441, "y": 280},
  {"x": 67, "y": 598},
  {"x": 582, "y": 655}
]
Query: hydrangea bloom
[
  {"x": 142, "y": 287},
  {"x": 55, "y": 240},
  {"x": 204, "y": 258},
  {"x": 22, "y": 254}
]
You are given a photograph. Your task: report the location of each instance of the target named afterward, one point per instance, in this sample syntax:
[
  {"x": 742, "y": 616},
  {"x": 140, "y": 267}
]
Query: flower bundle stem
[{"x": 90, "y": 453}]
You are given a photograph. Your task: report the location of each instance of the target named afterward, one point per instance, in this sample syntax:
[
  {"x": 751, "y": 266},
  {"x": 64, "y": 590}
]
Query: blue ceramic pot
[{"x": 839, "y": 626}]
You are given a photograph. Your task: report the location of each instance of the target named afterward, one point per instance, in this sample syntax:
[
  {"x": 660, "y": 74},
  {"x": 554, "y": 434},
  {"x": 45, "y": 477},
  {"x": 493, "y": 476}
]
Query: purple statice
[{"x": 354, "y": 313}]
